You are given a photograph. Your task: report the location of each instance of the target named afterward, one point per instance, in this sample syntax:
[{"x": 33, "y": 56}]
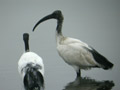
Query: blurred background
[{"x": 96, "y": 22}]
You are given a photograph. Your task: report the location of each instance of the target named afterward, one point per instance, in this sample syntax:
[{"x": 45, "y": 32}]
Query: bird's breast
[{"x": 70, "y": 55}]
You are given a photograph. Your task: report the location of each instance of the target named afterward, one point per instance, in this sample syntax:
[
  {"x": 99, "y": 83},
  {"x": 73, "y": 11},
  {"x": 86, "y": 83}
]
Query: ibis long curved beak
[{"x": 43, "y": 19}]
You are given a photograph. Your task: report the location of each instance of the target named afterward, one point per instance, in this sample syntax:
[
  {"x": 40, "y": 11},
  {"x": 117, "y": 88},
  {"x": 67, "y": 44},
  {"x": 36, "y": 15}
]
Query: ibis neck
[
  {"x": 59, "y": 27},
  {"x": 26, "y": 45},
  {"x": 59, "y": 36}
]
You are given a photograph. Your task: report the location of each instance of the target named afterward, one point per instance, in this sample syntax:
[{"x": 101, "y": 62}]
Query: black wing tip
[
  {"x": 108, "y": 66},
  {"x": 105, "y": 64}
]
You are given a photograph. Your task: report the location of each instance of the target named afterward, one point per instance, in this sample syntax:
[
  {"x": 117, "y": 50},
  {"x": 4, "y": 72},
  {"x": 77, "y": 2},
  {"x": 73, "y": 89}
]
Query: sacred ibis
[
  {"x": 73, "y": 51},
  {"x": 31, "y": 68}
]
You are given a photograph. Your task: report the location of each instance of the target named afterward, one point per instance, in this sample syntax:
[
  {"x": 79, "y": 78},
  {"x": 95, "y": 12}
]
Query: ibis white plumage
[
  {"x": 31, "y": 68},
  {"x": 73, "y": 51}
]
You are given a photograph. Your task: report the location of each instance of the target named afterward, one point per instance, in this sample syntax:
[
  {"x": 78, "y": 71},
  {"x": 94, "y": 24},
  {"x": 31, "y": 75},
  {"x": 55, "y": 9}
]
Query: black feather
[
  {"x": 33, "y": 79},
  {"x": 100, "y": 59}
]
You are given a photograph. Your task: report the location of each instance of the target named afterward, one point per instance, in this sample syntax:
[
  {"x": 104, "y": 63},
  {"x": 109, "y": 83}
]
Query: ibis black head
[
  {"x": 25, "y": 36},
  {"x": 55, "y": 15}
]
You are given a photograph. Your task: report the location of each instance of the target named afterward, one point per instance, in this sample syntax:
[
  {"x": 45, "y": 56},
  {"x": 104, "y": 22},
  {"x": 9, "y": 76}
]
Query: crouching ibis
[{"x": 31, "y": 68}]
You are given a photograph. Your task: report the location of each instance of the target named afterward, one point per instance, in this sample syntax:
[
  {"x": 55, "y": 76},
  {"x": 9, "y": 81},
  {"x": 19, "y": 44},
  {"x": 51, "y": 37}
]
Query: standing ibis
[
  {"x": 31, "y": 68},
  {"x": 73, "y": 51}
]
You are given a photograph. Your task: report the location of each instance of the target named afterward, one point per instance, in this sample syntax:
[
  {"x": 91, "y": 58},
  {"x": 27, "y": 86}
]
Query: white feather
[
  {"x": 73, "y": 52},
  {"x": 30, "y": 57}
]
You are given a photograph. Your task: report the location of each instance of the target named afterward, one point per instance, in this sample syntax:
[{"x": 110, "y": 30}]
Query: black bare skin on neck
[{"x": 26, "y": 41}]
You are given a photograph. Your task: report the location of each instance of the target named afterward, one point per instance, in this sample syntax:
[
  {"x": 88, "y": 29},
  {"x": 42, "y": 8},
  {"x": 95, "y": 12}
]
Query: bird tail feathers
[{"x": 33, "y": 79}]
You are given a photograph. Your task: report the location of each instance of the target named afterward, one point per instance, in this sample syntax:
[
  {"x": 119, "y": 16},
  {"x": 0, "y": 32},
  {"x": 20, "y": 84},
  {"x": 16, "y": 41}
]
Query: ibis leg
[{"x": 79, "y": 73}]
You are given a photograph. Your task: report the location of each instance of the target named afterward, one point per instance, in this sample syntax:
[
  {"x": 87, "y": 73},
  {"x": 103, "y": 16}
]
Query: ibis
[
  {"x": 31, "y": 68},
  {"x": 76, "y": 53}
]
